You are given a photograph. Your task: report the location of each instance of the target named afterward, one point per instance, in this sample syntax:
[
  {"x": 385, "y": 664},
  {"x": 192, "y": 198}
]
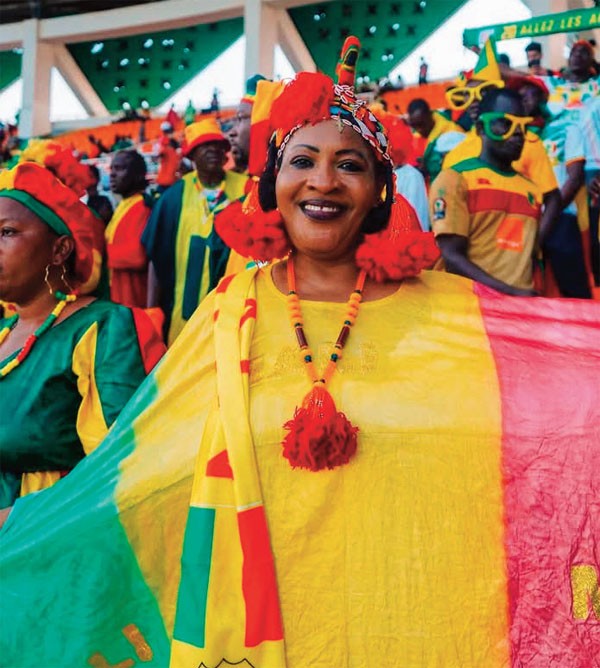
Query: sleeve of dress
[
  {"x": 110, "y": 361},
  {"x": 132, "y": 494},
  {"x": 448, "y": 210}
]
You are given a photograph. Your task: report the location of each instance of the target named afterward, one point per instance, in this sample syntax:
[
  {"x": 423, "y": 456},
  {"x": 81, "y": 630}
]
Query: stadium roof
[
  {"x": 20, "y": 10},
  {"x": 146, "y": 69}
]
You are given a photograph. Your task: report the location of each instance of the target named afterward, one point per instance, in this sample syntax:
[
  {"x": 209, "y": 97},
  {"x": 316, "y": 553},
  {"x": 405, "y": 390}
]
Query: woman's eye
[
  {"x": 301, "y": 162},
  {"x": 7, "y": 231},
  {"x": 351, "y": 166}
]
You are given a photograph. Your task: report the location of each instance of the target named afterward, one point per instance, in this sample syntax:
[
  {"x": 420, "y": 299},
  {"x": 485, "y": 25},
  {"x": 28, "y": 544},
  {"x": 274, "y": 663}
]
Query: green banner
[{"x": 573, "y": 21}]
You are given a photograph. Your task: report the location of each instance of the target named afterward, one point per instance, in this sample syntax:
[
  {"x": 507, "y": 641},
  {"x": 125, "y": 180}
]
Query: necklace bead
[
  {"x": 32, "y": 338},
  {"x": 319, "y": 435}
]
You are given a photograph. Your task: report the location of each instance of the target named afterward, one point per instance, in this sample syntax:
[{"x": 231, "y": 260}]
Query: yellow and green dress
[{"x": 58, "y": 405}]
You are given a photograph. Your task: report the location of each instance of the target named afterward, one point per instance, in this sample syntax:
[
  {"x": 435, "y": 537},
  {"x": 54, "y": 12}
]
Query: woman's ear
[{"x": 63, "y": 248}]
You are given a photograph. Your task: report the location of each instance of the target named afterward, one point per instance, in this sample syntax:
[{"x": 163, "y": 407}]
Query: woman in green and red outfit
[{"x": 68, "y": 362}]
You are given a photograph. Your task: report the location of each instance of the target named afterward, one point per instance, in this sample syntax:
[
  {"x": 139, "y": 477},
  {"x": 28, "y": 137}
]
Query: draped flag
[{"x": 154, "y": 551}]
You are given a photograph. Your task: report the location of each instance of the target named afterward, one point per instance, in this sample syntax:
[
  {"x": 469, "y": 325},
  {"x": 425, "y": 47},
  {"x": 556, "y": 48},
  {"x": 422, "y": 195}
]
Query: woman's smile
[{"x": 322, "y": 209}]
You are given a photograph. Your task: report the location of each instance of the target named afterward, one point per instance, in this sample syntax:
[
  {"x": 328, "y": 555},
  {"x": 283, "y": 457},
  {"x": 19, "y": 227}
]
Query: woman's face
[
  {"x": 26, "y": 248},
  {"x": 325, "y": 187}
]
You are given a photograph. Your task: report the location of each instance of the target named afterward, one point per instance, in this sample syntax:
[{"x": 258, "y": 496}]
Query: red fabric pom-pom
[
  {"x": 319, "y": 436},
  {"x": 392, "y": 258},
  {"x": 253, "y": 233}
]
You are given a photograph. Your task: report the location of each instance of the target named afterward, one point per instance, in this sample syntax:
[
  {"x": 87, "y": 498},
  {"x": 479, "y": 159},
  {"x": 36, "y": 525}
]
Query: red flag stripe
[
  {"x": 259, "y": 584},
  {"x": 550, "y": 393}
]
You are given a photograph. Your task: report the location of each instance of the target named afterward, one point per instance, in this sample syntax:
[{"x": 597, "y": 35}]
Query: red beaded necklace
[
  {"x": 319, "y": 435},
  {"x": 32, "y": 339}
]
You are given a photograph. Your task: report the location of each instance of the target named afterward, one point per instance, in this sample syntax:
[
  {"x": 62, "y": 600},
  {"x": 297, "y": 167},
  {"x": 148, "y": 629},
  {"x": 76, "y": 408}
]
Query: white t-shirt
[{"x": 411, "y": 184}]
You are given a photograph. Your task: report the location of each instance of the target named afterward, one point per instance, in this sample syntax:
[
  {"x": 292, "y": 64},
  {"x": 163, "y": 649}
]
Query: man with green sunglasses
[
  {"x": 484, "y": 214},
  {"x": 500, "y": 126},
  {"x": 533, "y": 163}
]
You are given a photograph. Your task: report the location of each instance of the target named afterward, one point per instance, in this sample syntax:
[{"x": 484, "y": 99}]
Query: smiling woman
[{"x": 342, "y": 461}]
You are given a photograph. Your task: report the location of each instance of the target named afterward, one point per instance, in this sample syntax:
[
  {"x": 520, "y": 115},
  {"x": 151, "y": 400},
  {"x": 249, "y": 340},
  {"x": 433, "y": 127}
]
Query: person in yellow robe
[{"x": 187, "y": 257}]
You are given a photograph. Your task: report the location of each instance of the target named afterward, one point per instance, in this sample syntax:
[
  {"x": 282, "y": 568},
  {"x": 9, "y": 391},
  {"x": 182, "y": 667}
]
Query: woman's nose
[{"x": 324, "y": 177}]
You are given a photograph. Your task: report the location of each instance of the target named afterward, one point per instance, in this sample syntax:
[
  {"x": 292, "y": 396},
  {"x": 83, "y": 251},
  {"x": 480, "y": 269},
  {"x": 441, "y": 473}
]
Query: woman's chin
[
  {"x": 323, "y": 245},
  {"x": 327, "y": 252}
]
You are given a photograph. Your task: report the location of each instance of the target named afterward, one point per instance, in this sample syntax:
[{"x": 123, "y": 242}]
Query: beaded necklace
[
  {"x": 319, "y": 435},
  {"x": 212, "y": 196},
  {"x": 32, "y": 338}
]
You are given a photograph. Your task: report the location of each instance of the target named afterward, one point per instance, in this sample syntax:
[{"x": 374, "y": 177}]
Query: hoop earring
[
  {"x": 63, "y": 277},
  {"x": 47, "y": 280}
]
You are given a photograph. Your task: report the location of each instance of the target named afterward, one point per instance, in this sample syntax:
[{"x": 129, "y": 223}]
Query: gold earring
[
  {"x": 63, "y": 277},
  {"x": 47, "y": 280}
]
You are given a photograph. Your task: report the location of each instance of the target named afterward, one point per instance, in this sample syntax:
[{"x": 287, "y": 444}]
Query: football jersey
[{"x": 497, "y": 211}]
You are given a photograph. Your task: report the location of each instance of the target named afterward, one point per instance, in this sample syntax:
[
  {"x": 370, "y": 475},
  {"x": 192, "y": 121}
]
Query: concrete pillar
[
  {"x": 293, "y": 45},
  {"x": 78, "y": 82},
  {"x": 38, "y": 59},
  {"x": 260, "y": 29}
]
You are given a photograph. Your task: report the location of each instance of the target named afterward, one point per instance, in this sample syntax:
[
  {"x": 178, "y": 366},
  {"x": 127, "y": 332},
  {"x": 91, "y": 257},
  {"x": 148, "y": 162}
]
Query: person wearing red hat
[
  {"x": 69, "y": 363},
  {"x": 187, "y": 257}
]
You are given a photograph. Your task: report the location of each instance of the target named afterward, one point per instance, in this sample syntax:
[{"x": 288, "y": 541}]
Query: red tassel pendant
[{"x": 319, "y": 436}]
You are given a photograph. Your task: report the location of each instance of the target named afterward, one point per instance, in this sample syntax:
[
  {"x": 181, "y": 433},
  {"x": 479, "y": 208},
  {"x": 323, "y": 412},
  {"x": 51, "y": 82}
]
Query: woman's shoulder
[
  {"x": 101, "y": 308},
  {"x": 102, "y": 313},
  {"x": 428, "y": 284},
  {"x": 441, "y": 281},
  {"x": 115, "y": 329}
]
